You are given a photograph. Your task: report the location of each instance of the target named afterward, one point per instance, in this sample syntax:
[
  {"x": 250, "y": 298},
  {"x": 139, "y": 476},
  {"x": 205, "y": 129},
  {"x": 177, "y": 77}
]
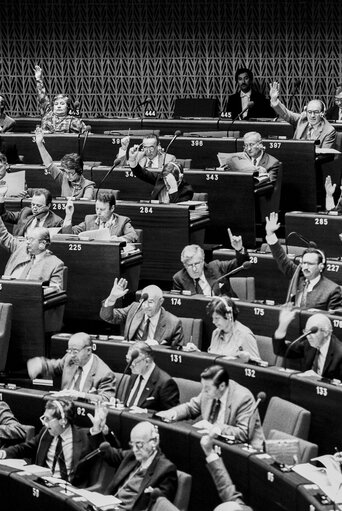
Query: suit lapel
[
  {"x": 45, "y": 442},
  {"x": 161, "y": 326},
  {"x": 146, "y": 482},
  {"x": 133, "y": 327},
  {"x": 89, "y": 381},
  {"x": 330, "y": 356},
  {"x": 149, "y": 387}
]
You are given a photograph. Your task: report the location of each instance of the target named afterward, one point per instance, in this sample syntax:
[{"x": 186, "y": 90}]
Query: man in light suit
[
  {"x": 119, "y": 226},
  {"x": 151, "y": 156},
  {"x": 321, "y": 351},
  {"x": 225, "y": 408},
  {"x": 38, "y": 215},
  {"x": 146, "y": 320},
  {"x": 30, "y": 258},
  {"x": 310, "y": 124},
  {"x": 149, "y": 386},
  {"x": 308, "y": 287},
  {"x": 199, "y": 277},
  {"x": 60, "y": 445},
  {"x": 82, "y": 371}
]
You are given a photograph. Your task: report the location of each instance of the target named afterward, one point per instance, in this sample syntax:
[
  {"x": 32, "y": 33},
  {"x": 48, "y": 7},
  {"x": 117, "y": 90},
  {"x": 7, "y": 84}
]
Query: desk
[{"x": 267, "y": 129}]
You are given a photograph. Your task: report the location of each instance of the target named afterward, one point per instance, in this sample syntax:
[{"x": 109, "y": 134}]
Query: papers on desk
[
  {"x": 97, "y": 499},
  {"x": 98, "y": 234},
  {"x": 326, "y": 150},
  {"x": 14, "y": 463},
  {"x": 53, "y": 231},
  {"x": 15, "y": 182},
  {"x": 37, "y": 470},
  {"x": 328, "y": 476}
]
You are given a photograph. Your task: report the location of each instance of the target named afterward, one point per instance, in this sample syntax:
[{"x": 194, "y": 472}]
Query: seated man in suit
[
  {"x": 169, "y": 185},
  {"x": 60, "y": 445},
  {"x": 120, "y": 227},
  {"x": 6, "y": 122},
  {"x": 321, "y": 351},
  {"x": 308, "y": 286},
  {"x": 149, "y": 386},
  {"x": 310, "y": 124},
  {"x": 266, "y": 166},
  {"x": 200, "y": 277},
  {"x": 334, "y": 113},
  {"x": 226, "y": 408},
  {"x": 11, "y": 431},
  {"x": 28, "y": 218},
  {"x": 224, "y": 485},
  {"x": 141, "y": 469},
  {"x": 146, "y": 320},
  {"x": 82, "y": 371},
  {"x": 30, "y": 259},
  {"x": 246, "y": 94},
  {"x": 151, "y": 157}
]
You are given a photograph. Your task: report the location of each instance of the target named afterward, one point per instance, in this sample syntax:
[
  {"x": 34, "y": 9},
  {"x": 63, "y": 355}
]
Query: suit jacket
[
  {"x": 160, "y": 393},
  {"x": 333, "y": 362},
  {"x": 10, "y": 429},
  {"x": 238, "y": 420},
  {"x": 169, "y": 327},
  {"x": 224, "y": 485},
  {"x": 300, "y": 122},
  {"x": 48, "y": 269},
  {"x": 261, "y": 106},
  {"x": 184, "y": 192},
  {"x": 212, "y": 271},
  {"x": 23, "y": 219},
  {"x": 121, "y": 227},
  {"x": 333, "y": 113},
  {"x": 160, "y": 474},
  {"x": 100, "y": 377},
  {"x": 37, "y": 449},
  {"x": 325, "y": 295},
  {"x": 271, "y": 164}
]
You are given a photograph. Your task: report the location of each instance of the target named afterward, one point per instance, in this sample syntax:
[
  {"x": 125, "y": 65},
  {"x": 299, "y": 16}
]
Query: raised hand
[
  {"x": 119, "y": 288},
  {"x": 272, "y": 224},
  {"x": 236, "y": 241},
  {"x": 99, "y": 418},
  {"x": 38, "y": 72},
  {"x": 274, "y": 91},
  {"x": 329, "y": 187}
]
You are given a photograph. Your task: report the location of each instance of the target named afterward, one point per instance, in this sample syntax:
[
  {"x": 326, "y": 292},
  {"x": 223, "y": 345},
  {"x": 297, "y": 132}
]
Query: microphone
[
  {"x": 155, "y": 493},
  {"x": 143, "y": 299},
  {"x": 146, "y": 102},
  {"x": 261, "y": 396},
  {"x": 245, "y": 266},
  {"x": 134, "y": 355},
  {"x": 250, "y": 104},
  {"x": 312, "y": 330},
  {"x": 176, "y": 134},
  {"x": 308, "y": 243},
  {"x": 115, "y": 164},
  {"x": 86, "y": 131},
  {"x": 76, "y": 109},
  {"x": 102, "y": 449}
]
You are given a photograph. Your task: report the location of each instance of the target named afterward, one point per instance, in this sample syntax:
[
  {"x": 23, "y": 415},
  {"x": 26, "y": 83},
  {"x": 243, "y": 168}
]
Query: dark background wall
[{"x": 112, "y": 54}]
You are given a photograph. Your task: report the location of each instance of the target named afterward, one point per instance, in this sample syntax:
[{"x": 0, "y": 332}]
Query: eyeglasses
[
  {"x": 75, "y": 351},
  {"x": 38, "y": 206},
  {"x": 140, "y": 445},
  {"x": 246, "y": 146},
  {"x": 195, "y": 264},
  {"x": 313, "y": 112},
  {"x": 46, "y": 420},
  {"x": 147, "y": 147}
]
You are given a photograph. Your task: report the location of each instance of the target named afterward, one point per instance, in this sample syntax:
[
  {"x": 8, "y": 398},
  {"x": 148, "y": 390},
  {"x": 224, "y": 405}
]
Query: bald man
[
  {"x": 144, "y": 466},
  {"x": 310, "y": 124},
  {"x": 321, "y": 351},
  {"x": 84, "y": 374},
  {"x": 146, "y": 320}
]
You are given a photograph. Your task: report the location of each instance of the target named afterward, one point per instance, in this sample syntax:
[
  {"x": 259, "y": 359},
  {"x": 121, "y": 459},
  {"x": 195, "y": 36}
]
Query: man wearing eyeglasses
[
  {"x": 60, "y": 446},
  {"x": 28, "y": 218},
  {"x": 84, "y": 374},
  {"x": 310, "y": 124},
  {"x": 141, "y": 469},
  {"x": 150, "y": 155},
  {"x": 149, "y": 386},
  {"x": 321, "y": 351},
  {"x": 199, "y": 277}
]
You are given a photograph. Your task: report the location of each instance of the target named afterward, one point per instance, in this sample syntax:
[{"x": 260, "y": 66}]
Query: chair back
[
  {"x": 244, "y": 288},
  {"x": 181, "y": 500},
  {"x": 307, "y": 450},
  {"x": 163, "y": 504},
  {"x": 192, "y": 329},
  {"x": 265, "y": 348},
  {"x": 286, "y": 417},
  {"x": 96, "y": 192},
  {"x": 200, "y": 196},
  {"x": 123, "y": 386},
  {"x": 187, "y": 389}
]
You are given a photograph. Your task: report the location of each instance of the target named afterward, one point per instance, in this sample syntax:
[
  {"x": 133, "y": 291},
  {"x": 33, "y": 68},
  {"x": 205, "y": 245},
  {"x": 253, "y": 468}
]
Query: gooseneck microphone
[
  {"x": 308, "y": 243},
  {"x": 312, "y": 330},
  {"x": 176, "y": 134},
  {"x": 261, "y": 396},
  {"x": 103, "y": 448},
  {"x": 115, "y": 164},
  {"x": 143, "y": 299},
  {"x": 250, "y": 104},
  {"x": 245, "y": 266}
]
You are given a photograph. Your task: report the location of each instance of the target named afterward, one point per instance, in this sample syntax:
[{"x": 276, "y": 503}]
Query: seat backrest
[
  {"x": 200, "y": 196},
  {"x": 244, "y": 288},
  {"x": 338, "y": 141},
  {"x": 307, "y": 450},
  {"x": 116, "y": 193},
  {"x": 181, "y": 500},
  {"x": 29, "y": 430},
  {"x": 163, "y": 504},
  {"x": 187, "y": 389},
  {"x": 123, "y": 386},
  {"x": 265, "y": 348},
  {"x": 6, "y": 310},
  {"x": 192, "y": 329},
  {"x": 186, "y": 162},
  {"x": 140, "y": 234},
  {"x": 286, "y": 417}
]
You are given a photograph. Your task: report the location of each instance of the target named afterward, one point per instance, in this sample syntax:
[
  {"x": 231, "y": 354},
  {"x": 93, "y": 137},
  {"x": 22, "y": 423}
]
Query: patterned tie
[
  {"x": 305, "y": 294},
  {"x": 215, "y": 409},
  {"x": 132, "y": 397},
  {"x": 59, "y": 457},
  {"x": 144, "y": 336},
  {"x": 79, "y": 373},
  {"x": 254, "y": 162}
]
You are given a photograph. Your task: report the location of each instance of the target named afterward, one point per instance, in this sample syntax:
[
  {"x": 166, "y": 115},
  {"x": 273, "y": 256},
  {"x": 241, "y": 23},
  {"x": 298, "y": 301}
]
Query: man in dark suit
[
  {"x": 149, "y": 386},
  {"x": 334, "y": 113},
  {"x": 150, "y": 156},
  {"x": 321, "y": 351},
  {"x": 146, "y": 320},
  {"x": 308, "y": 287},
  {"x": 199, "y": 277},
  {"x": 38, "y": 215},
  {"x": 60, "y": 445},
  {"x": 246, "y": 94},
  {"x": 10, "y": 429},
  {"x": 141, "y": 469},
  {"x": 83, "y": 372}
]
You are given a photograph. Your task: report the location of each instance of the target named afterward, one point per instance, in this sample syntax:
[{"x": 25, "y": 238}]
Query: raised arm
[{"x": 44, "y": 102}]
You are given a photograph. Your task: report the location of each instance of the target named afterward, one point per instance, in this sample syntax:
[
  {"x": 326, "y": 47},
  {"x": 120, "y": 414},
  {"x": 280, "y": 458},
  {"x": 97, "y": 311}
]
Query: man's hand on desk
[
  {"x": 118, "y": 290},
  {"x": 310, "y": 373},
  {"x": 34, "y": 367},
  {"x": 167, "y": 415}
]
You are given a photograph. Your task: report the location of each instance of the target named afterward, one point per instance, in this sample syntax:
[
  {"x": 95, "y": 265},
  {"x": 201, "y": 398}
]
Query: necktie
[
  {"x": 215, "y": 409},
  {"x": 198, "y": 288},
  {"x": 132, "y": 397},
  {"x": 27, "y": 268},
  {"x": 254, "y": 162},
  {"x": 149, "y": 163},
  {"x": 315, "y": 362},
  {"x": 78, "y": 378},
  {"x": 305, "y": 294},
  {"x": 59, "y": 457},
  {"x": 144, "y": 336}
]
